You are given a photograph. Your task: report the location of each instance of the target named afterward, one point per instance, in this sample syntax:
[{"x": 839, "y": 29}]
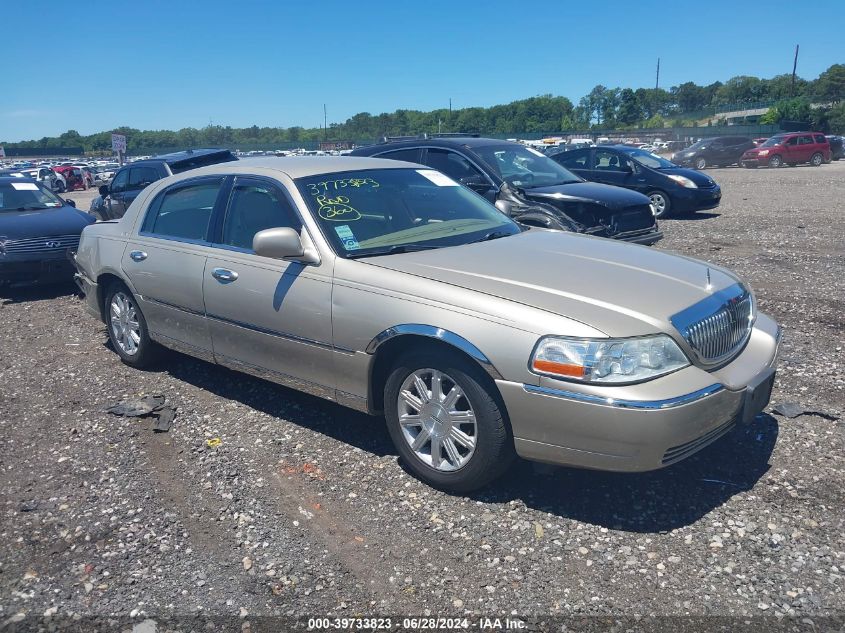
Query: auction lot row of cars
[{"x": 463, "y": 288}]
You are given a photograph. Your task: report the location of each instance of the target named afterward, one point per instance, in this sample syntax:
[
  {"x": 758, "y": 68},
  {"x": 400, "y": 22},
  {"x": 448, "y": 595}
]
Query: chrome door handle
[
  {"x": 224, "y": 275},
  {"x": 138, "y": 256}
]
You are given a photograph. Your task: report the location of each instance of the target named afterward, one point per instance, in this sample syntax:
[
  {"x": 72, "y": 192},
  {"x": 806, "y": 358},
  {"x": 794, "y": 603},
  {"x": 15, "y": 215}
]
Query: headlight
[
  {"x": 683, "y": 181},
  {"x": 763, "y": 152},
  {"x": 607, "y": 361}
]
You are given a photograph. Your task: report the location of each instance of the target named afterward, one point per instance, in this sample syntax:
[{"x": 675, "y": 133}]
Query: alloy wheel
[
  {"x": 124, "y": 323},
  {"x": 658, "y": 202},
  {"x": 437, "y": 420}
]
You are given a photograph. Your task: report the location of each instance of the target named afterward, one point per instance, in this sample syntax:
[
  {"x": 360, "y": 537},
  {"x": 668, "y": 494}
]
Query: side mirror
[
  {"x": 282, "y": 243},
  {"x": 70, "y": 202},
  {"x": 104, "y": 190},
  {"x": 476, "y": 183}
]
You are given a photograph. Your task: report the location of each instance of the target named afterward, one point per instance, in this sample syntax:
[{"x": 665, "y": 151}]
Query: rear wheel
[
  {"x": 446, "y": 421},
  {"x": 775, "y": 161},
  {"x": 700, "y": 163},
  {"x": 660, "y": 203},
  {"x": 817, "y": 159},
  {"x": 128, "y": 328},
  {"x": 60, "y": 187}
]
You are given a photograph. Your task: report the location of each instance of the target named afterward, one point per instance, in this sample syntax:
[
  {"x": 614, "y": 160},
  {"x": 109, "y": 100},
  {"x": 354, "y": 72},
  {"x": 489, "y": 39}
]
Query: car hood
[
  {"x": 702, "y": 180},
  {"x": 605, "y": 195},
  {"x": 620, "y": 289},
  {"x": 17, "y": 225}
]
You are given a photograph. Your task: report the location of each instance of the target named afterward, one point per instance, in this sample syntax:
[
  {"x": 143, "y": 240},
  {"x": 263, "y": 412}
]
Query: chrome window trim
[
  {"x": 431, "y": 331},
  {"x": 651, "y": 405}
]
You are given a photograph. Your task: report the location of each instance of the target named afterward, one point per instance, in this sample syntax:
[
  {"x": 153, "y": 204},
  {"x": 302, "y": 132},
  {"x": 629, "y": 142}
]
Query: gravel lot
[{"x": 303, "y": 509}]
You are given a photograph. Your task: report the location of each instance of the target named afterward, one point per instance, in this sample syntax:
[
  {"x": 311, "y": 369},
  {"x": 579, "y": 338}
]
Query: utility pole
[
  {"x": 450, "y": 106},
  {"x": 794, "y": 68},
  {"x": 657, "y": 81},
  {"x": 325, "y": 124}
]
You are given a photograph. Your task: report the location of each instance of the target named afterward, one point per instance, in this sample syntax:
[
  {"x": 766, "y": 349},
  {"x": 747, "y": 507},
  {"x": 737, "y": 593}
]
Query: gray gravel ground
[{"x": 303, "y": 509}]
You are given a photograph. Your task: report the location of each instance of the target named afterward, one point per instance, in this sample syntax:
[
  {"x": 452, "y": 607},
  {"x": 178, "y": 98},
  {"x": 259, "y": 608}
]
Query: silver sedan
[{"x": 388, "y": 288}]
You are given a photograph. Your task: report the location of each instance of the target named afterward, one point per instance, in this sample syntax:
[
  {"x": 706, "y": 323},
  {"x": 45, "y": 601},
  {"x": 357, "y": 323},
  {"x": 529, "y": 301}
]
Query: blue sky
[{"x": 150, "y": 64}]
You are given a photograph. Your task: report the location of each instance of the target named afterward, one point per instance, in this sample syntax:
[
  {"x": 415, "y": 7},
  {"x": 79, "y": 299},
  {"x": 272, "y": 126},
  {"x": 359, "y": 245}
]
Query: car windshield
[
  {"x": 384, "y": 211},
  {"x": 524, "y": 167},
  {"x": 702, "y": 144},
  {"x": 649, "y": 160},
  {"x": 26, "y": 196},
  {"x": 775, "y": 140}
]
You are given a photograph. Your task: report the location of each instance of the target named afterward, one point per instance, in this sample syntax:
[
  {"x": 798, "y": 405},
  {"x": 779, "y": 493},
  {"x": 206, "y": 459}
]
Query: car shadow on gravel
[
  {"x": 36, "y": 293},
  {"x": 700, "y": 215},
  {"x": 341, "y": 423},
  {"x": 652, "y": 502}
]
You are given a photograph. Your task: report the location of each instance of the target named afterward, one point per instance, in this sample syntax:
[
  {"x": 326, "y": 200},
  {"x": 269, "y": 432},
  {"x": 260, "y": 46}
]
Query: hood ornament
[{"x": 709, "y": 285}]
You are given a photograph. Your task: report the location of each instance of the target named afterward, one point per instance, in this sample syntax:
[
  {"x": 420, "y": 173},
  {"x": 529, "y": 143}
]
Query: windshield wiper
[
  {"x": 393, "y": 250},
  {"x": 492, "y": 235},
  {"x": 31, "y": 207}
]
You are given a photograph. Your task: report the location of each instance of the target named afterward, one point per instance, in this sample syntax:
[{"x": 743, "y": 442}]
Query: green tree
[
  {"x": 630, "y": 110},
  {"x": 830, "y": 86}
]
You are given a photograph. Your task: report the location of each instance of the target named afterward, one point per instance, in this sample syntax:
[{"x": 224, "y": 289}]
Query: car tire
[
  {"x": 474, "y": 445},
  {"x": 60, "y": 187},
  {"x": 816, "y": 159},
  {"x": 661, "y": 203},
  {"x": 127, "y": 328},
  {"x": 700, "y": 163},
  {"x": 775, "y": 161}
]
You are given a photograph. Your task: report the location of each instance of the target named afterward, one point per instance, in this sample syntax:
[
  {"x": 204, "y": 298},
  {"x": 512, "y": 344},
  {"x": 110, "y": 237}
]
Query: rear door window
[
  {"x": 579, "y": 159},
  {"x": 412, "y": 155},
  {"x": 183, "y": 211}
]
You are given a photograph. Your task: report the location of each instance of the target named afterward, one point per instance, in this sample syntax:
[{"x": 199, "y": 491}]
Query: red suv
[{"x": 790, "y": 148}]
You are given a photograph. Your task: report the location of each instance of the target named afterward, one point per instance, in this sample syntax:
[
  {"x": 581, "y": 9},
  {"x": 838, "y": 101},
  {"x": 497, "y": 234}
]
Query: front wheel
[
  {"x": 775, "y": 161},
  {"x": 128, "y": 328},
  {"x": 660, "y": 203},
  {"x": 816, "y": 160},
  {"x": 700, "y": 163},
  {"x": 446, "y": 421}
]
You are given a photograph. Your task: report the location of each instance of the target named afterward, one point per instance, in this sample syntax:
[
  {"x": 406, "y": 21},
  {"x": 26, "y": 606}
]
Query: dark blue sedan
[
  {"x": 672, "y": 189},
  {"x": 36, "y": 230}
]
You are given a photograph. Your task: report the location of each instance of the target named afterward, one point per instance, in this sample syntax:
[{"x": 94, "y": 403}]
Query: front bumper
[
  {"x": 646, "y": 426},
  {"x": 33, "y": 272},
  {"x": 687, "y": 200},
  {"x": 646, "y": 239}
]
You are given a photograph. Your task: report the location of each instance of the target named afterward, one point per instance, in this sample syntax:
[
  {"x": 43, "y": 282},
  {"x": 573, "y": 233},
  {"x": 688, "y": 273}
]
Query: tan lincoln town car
[{"x": 389, "y": 288}]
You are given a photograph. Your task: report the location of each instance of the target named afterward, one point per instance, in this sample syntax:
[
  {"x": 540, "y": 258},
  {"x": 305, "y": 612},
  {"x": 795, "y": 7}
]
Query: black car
[
  {"x": 36, "y": 230},
  {"x": 719, "y": 151},
  {"x": 672, "y": 189},
  {"x": 131, "y": 179},
  {"x": 836, "y": 147},
  {"x": 528, "y": 186}
]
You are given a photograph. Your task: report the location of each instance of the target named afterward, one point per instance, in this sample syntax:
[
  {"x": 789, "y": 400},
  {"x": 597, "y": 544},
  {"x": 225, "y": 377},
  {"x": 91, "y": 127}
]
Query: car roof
[
  {"x": 177, "y": 157},
  {"x": 300, "y": 166},
  {"x": 455, "y": 141}
]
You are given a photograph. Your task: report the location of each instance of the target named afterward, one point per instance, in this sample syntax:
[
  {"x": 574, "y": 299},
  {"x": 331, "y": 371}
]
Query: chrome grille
[
  {"x": 49, "y": 243},
  {"x": 719, "y": 326}
]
